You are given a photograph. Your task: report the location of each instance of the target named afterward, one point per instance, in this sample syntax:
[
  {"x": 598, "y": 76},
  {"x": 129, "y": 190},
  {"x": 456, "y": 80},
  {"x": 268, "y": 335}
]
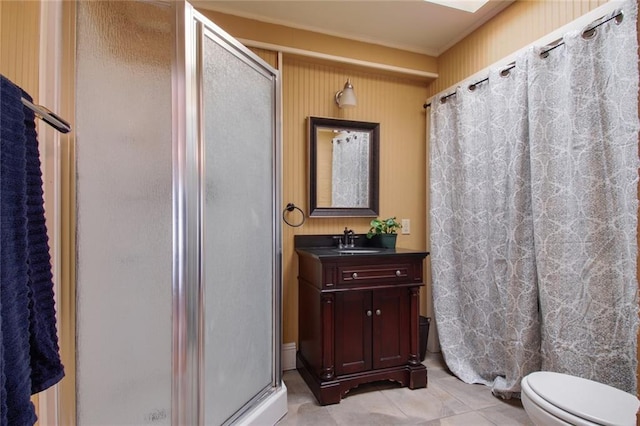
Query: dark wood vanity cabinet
[
  {"x": 358, "y": 320},
  {"x": 371, "y": 330}
]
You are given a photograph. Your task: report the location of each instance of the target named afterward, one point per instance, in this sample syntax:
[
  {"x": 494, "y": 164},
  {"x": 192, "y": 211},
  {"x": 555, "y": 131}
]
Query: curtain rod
[
  {"x": 48, "y": 117},
  {"x": 587, "y": 34}
]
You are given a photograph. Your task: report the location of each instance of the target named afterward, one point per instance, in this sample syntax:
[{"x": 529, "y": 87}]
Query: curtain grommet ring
[
  {"x": 505, "y": 72},
  {"x": 443, "y": 100},
  {"x": 619, "y": 17},
  {"x": 589, "y": 33},
  {"x": 472, "y": 87},
  {"x": 544, "y": 55}
]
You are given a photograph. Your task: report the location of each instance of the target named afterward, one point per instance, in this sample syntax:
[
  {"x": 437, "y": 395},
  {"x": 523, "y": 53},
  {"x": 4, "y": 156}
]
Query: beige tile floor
[{"x": 446, "y": 401}]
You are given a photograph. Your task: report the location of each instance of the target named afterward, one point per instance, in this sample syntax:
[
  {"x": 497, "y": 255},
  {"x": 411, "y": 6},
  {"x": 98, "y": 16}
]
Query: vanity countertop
[
  {"x": 326, "y": 252},
  {"x": 320, "y": 247}
]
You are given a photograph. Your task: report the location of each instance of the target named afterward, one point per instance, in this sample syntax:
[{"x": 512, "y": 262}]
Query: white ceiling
[{"x": 413, "y": 25}]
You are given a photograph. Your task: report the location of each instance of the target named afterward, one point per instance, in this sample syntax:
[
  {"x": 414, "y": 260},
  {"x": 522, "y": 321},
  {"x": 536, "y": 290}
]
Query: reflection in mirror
[
  {"x": 349, "y": 183},
  {"x": 343, "y": 165}
]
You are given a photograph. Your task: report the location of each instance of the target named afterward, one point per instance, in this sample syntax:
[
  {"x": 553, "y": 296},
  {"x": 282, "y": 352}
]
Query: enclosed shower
[
  {"x": 533, "y": 210},
  {"x": 178, "y": 266}
]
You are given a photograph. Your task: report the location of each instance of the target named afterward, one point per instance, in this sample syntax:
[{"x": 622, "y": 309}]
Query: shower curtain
[
  {"x": 534, "y": 213},
  {"x": 350, "y": 170}
]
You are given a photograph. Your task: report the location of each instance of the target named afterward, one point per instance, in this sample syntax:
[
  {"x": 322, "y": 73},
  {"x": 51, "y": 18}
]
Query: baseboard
[{"x": 289, "y": 356}]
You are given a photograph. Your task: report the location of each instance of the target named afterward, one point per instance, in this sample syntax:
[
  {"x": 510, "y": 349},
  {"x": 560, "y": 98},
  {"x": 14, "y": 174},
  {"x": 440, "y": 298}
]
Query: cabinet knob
[
  {"x": 378, "y": 311},
  {"x": 368, "y": 313},
  {"x": 398, "y": 273},
  {"x": 354, "y": 275}
]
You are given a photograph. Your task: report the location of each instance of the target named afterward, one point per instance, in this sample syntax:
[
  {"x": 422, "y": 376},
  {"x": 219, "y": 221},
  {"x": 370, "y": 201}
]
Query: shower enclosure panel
[
  {"x": 229, "y": 187},
  {"x": 178, "y": 269}
]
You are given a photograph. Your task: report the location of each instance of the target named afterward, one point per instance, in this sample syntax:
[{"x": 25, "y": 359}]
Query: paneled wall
[
  {"x": 248, "y": 29},
  {"x": 308, "y": 89},
  {"x": 20, "y": 43},
  {"x": 395, "y": 103},
  {"x": 20, "y": 32},
  {"x": 20, "y": 47},
  {"x": 268, "y": 56},
  {"x": 517, "y": 26}
]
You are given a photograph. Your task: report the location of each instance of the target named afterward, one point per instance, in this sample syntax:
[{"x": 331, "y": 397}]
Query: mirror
[{"x": 343, "y": 167}]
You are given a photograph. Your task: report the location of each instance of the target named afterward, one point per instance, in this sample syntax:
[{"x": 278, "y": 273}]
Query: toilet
[{"x": 551, "y": 398}]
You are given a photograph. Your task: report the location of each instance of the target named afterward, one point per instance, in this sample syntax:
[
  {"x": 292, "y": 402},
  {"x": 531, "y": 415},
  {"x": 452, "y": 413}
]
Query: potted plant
[{"x": 383, "y": 232}]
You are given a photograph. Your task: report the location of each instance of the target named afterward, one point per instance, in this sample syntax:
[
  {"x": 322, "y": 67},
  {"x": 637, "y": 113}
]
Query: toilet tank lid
[{"x": 593, "y": 401}]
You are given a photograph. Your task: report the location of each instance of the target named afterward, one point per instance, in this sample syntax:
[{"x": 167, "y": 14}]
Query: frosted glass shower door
[
  {"x": 123, "y": 131},
  {"x": 178, "y": 267},
  {"x": 238, "y": 245},
  {"x": 240, "y": 235}
]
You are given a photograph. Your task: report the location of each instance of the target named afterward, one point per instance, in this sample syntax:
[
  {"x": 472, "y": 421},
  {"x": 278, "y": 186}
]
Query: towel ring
[{"x": 291, "y": 207}]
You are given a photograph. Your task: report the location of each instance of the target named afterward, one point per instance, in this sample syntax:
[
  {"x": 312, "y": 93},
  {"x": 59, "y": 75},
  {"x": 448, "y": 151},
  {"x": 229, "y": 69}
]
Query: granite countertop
[
  {"x": 326, "y": 252},
  {"x": 324, "y": 246}
]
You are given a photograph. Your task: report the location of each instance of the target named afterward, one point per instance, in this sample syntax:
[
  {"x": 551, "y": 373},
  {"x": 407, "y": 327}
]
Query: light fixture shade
[{"x": 346, "y": 98}]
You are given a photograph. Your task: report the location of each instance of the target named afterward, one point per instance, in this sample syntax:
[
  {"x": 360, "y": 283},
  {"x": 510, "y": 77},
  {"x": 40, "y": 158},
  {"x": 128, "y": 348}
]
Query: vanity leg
[
  {"x": 414, "y": 351},
  {"x": 417, "y": 377},
  {"x": 328, "y": 370}
]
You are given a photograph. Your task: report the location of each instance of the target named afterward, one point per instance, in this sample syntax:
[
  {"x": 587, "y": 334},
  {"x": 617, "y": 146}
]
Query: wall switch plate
[{"x": 406, "y": 226}]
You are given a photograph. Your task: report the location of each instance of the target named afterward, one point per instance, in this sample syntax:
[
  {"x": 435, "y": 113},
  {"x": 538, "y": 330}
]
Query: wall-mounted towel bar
[{"x": 49, "y": 117}]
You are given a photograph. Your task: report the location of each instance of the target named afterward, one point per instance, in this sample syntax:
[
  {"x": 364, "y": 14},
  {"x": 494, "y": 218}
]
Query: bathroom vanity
[{"x": 358, "y": 316}]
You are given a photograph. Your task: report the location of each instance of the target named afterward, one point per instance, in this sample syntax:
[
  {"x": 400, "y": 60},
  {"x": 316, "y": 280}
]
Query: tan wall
[
  {"x": 517, "y": 26},
  {"x": 67, "y": 273},
  {"x": 308, "y": 89},
  {"x": 19, "y": 49},
  {"x": 268, "y": 56},
  {"x": 19, "y": 62},
  {"x": 392, "y": 100},
  {"x": 324, "y": 170},
  {"x": 20, "y": 43},
  {"x": 395, "y": 103},
  {"x": 307, "y": 40}
]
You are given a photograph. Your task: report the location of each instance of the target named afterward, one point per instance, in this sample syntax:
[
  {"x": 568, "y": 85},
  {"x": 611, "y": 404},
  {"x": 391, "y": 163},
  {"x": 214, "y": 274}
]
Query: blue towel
[
  {"x": 15, "y": 404},
  {"x": 29, "y": 358},
  {"x": 46, "y": 368}
]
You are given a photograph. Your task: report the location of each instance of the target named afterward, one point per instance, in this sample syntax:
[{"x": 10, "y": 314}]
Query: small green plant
[{"x": 384, "y": 226}]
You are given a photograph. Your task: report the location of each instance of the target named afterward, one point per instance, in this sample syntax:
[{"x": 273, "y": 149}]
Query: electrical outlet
[{"x": 406, "y": 226}]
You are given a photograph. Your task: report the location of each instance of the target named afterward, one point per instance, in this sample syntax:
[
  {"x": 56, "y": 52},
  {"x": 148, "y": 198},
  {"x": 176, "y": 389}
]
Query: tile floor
[{"x": 445, "y": 401}]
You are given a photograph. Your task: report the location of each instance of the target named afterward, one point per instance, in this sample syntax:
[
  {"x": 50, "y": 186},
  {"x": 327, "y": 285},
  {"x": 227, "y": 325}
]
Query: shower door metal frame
[{"x": 188, "y": 277}]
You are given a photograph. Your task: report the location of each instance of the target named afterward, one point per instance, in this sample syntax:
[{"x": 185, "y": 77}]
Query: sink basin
[{"x": 357, "y": 251}]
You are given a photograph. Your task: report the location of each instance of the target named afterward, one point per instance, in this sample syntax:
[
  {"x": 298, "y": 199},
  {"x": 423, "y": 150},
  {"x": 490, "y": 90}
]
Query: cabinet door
[
  {"x": 353, "y": 317},
  {"x": 391, "y": 327}
]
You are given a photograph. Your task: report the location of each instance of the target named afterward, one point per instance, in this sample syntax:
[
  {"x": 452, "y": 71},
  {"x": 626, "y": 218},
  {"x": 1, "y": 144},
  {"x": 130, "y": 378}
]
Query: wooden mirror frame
[{"x": 313, "y": 124}]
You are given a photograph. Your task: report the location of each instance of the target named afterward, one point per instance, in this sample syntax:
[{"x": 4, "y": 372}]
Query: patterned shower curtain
[
  {"x": 350, "y": 170},
  {"x": 534, "y": 215}
]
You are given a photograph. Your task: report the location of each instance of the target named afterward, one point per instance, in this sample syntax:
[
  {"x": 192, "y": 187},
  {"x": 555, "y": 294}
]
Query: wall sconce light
[{"x": 346, "y": 98}]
